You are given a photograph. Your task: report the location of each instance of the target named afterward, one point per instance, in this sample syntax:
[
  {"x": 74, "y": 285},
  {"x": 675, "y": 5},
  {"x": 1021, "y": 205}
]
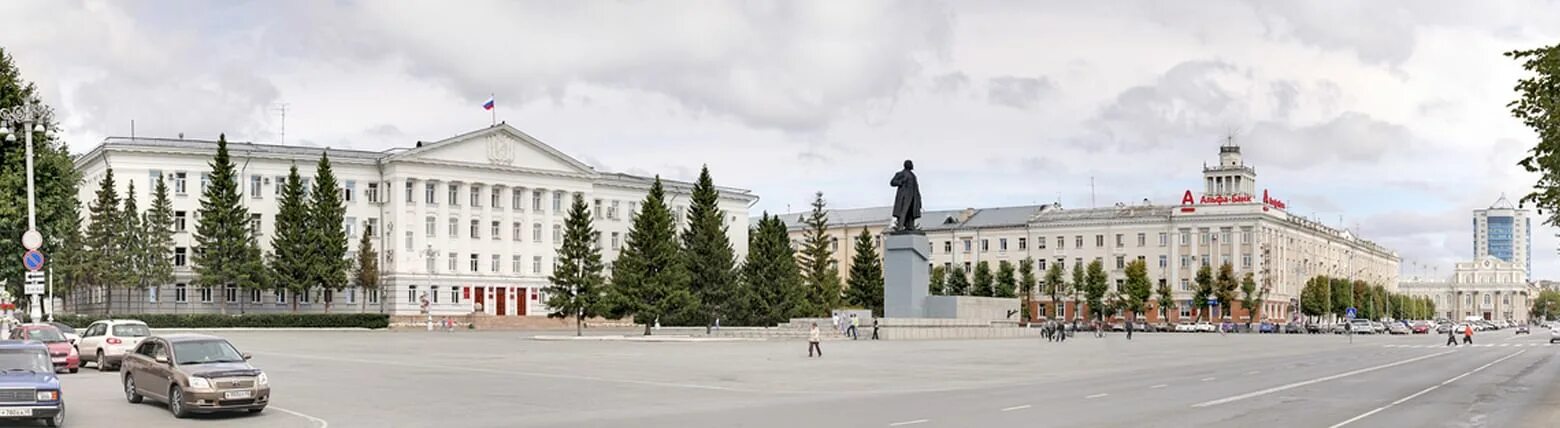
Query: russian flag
[{"x": 489, "y": 104}]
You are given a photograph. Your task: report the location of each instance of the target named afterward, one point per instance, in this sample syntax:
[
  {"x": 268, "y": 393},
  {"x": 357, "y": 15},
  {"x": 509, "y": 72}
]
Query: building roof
[
  {"x": 1057, "y": 213},
  {"x": 967, "y": 218}
]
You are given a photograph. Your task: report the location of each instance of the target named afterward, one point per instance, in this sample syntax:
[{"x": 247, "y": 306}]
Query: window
[
  {"x": 151, "y": 294},
  {"x": 429, "y": 224},
  {"x": 372, "y": 194},
  {"x": 306, "y": 187},
  {"x": 1203, "y": 237},
  {"x": 536, "y": 232},
  {"x": 1186, "y": 238},
  {"x": 1121, "y": 262},
  {"x": 1002, "y": 244},
  {"x": 350, "y": 226},
  {"x": 557, "y": 202},
  {"x": 536, "y": 264},
  {"x": 411, "y": 294},
  {"x": 373, "y": 295},
  {"x": 429, "y": 264},
  {"x": 1078, "y": 241},
  {"x": 1506, "y": 299},
  {"x": 1186, "y": 261},
  {"x": 181, "y": 256},
  {"x": 514, "y": 263},
  {"x": 536, "y": 200},
  {"x": 1061, "y": 263},
  {"x": 230, "y": 293},
  {"x": 496, "y": 234},
  {"x": 409, "y": 185},
  {"x": 453, "y": 261},
  {"x": 967, "y": 246},
  {"x": 1040, "y": 265},
  {"x": 476, "y": 196},
  {"x": 597, "y": 213},
  {"x": 372, "y": 228},
  {"x": 454, "y": 189},
  {"x": 516, "y": 231},
  {"x": 495, "y": 198},
  {"x": 517, "y": 196},
  {"x": 1224, "y": 260},
  {"x": 428, "y": 192},
  {"x": 281, "y": 295},
  {"x": 179, "y": 220},
  {"x": 476, "y": 226},
  {"x": 1164, "y": 239},
  {"x": 474, "y": 258},
  {"x": 1245, "y": 237},
  {"x": 304, "y": 296},
  {"x": 633, "y": 207},
  {"x": 614, "y": 240},
  {"x": 179, "y": 188},
  {"x": 180, "y": 293},
  {"x": 947, "y": 246},
  {"x": 1245, "y": 261},
  {"x": 494, "y": 266},
  {"x": 254, "y": 223},
  {"x": 1142, "y": 239},
  {"x": 1119, "y": 243},
  {"x": 1224, "y": 236},
  {"x": 1205, "y": 260},
  {"x": 612, "y": 212},
  {"x": 347, "y": 189},
  {"x": 454, "y": 228},
  {"x": 455, "y": 293},
  {"x": 254, "y": 296},
  {"x": 409, "y": 244},
  {"x": 1099, "y": 241},
  {"x": 151, "y": 178},
  {"x": 1186, "y": 286},
  {"x": 329, "y": 295},
  {"x": 1486, "y": 299},
  {"x": 985, "y": 245},
  {"x": 1164, "y": 261},
  {"x": 1023, "y": 244},
  {"x": 1040, "y": 242},
  {"x": 205, "y": 294},
  {"x": 254, "y": 186}
]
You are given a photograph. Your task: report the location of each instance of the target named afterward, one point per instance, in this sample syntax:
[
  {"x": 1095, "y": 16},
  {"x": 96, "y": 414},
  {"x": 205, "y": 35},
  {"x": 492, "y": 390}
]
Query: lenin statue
[{"x": 907, "y": 200}]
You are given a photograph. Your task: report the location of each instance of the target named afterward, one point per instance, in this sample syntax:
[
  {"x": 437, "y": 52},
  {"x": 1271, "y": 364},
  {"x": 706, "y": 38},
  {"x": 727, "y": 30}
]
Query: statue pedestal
[{"x": 906, "y": 273}]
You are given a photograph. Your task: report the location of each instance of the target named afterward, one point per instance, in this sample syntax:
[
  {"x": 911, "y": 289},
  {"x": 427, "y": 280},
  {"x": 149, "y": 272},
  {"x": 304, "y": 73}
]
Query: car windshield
[
  {"x": 46, "y": 334},
  {"x": 132, "y": 330},
  {"x": 33, "y": 360},
  {"x": 63, "y": 327},
  {"x": 205, "y": 351}
]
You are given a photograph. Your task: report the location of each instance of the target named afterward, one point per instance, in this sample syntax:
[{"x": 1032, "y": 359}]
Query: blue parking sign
[{"x": 1349, "y": 313}]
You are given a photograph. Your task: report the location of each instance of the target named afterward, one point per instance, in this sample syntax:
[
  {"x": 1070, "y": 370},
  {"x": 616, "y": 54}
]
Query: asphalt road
[{"x": 497, "y": 379}]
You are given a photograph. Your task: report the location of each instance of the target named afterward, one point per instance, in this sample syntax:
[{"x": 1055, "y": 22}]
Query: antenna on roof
[
  {"x": 282, "y": 137},
  {"x": 132, "y": 129}
]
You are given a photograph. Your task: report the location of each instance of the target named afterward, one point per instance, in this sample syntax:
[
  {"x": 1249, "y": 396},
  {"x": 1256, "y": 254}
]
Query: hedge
[{"x": 247, "y": 320}]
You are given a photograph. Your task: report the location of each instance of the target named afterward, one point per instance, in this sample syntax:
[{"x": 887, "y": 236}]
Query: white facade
[
  {"x": 1504, "y": 232},
  {"x": 472, "y": 219},
  {"x": 1486, "y": 288}
]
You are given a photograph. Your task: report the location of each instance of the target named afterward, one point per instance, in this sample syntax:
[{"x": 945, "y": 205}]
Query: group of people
[
  {"x": 1467, "y": 334},
  {"x": 847, "y": 326},
  {"x": 1055, "y": 331}
]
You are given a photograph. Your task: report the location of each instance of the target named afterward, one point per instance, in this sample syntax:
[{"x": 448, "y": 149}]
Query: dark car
[
  {"x": 29, "y": 389},
  {"x": 1267, "y": 327},
  {"x": 194, "y": 373}
]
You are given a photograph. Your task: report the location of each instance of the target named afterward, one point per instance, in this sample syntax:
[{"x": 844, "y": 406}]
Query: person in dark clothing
[
  {"x": 1451, "y": 336},
  {"x": 874, "y": 329},
  {"x": 1129, "y": 331}
]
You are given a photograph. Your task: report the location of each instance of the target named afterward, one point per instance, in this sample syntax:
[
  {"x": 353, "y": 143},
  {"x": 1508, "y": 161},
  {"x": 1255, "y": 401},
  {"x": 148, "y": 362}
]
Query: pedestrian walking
[
  {"x": 812, "y": 342},
  {"x": 1451, "y": 336},
  {"x": 874, "y": 329},
  {"x": 1061, "y": 332},
  {"x": 1129, "y": 330},
  {"x": 1468, "y": 334},
  {"x": 853, "y": 331}
]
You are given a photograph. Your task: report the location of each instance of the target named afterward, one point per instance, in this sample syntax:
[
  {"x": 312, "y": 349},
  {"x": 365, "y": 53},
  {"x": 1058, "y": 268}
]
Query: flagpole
[{"x": 494, "y": 111}]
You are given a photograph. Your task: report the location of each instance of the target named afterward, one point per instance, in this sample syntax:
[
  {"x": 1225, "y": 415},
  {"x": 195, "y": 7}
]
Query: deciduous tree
[
  {"x": 1006, "y": 283},
  {"x": 982, "y": 286}
]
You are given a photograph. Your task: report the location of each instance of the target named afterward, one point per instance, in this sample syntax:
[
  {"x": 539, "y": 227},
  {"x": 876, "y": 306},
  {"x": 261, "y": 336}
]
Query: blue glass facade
[{"x": 1500, "y": 233}]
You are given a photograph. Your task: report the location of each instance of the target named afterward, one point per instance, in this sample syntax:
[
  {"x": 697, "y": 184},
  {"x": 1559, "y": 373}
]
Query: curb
[{"x": 644, "y": 339}]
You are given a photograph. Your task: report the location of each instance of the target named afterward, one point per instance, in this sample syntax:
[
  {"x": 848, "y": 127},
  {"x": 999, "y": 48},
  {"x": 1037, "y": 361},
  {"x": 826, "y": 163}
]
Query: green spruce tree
[
  {"x": 576, "y": 282},
  {"x": 365, "y": 273},
  {"x": 103, "y": 268},
  {"x": 328, "y": 264},
  {"x": 770, "y": 271},
  {"x": 291, "y": 248},
  {"x": 223, "y": 231},
  {"x": 819, "y": 271},
  {"x": 982, "y": 286},
  {"x": 132, "y": 243},
  {"x": 708, "y": 255},
  {"x": 649, "y": 281},
  {"x": 158, "y": 226},
  {"x": 938, "y": 282},
  {"x": 1006, "y": 283},
  {"x": 958, "y": 282},
  {"x": 865, "y": 288}
]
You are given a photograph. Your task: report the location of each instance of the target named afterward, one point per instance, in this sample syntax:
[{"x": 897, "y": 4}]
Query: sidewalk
[{"x": 619, "y": 338}]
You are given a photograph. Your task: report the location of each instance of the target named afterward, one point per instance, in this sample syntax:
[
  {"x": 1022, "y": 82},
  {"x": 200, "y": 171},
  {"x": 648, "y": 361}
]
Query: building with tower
[{"x": 1504, "y": 232}]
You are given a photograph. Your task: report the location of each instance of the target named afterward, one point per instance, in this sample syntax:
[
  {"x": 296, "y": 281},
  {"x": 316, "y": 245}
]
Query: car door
[
  {"x": 136, "y": 364},
  {"x": 90, "y": 339},
  {"x": 160, "y": 374}
]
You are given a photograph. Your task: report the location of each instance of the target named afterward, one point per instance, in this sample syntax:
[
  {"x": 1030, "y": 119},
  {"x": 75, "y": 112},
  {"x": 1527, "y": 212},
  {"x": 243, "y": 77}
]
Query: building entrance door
[
  {"x": 499, "y": 301},
  {"x": 479, "y": 295},
  {"x": 1486, "y": 316},
  {"x": 520, "y": 301}
]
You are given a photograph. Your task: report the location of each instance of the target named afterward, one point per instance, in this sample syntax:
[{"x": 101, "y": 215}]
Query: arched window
[{"x": 1486, "y": 299}]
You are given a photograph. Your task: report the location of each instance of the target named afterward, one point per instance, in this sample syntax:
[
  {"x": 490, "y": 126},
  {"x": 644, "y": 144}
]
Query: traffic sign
[
  {"x": 1349, "y": 313},
  {"x": 33, "y": 260},
  {"x": 32, "y": 239},
  {"x": 33, "y": 283}
]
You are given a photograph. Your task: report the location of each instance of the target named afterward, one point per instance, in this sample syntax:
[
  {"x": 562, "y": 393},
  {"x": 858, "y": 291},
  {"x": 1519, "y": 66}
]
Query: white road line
[
  {"x": 1208, "y": 379},
  {"x": 1313, "y": 381},
  {"x": 1505, "y": 345},
  {"x": 1158, "y": 386},
  {"x": 1253, "y": 372},
  {"x": 321, "y": 422},
  {"x": 1026, "y": 406},
  {"x": 1091, "y": 397},
  {"x": 917, "y": 421},
  {"x": 1426, "y": 390}
]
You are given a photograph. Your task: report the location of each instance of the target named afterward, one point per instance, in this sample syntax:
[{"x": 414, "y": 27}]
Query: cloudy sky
[{"x": 1385, "y": 116}]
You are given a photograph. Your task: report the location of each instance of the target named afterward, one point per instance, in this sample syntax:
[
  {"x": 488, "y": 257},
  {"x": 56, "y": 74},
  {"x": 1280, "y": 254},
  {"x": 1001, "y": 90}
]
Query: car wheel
[
  {"x": 176, "y": 403},
  {"x": 76, "y": 369},
  {"x": 101, "y": 365},
  {"x": 58, "y": 420},
  {"x": 132, "y": 394},
  {"x": 253, "y": 411}
]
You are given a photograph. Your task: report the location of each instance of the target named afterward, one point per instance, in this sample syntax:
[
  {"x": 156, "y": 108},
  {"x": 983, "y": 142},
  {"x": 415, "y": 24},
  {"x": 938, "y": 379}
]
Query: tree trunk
[
  {"x": 294, "y": 299},
  {"x": 647, "y": 329}
]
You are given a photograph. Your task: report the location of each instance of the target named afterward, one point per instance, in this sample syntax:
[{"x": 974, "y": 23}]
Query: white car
[
  {"x": 106, "y": 342},
  {"x": 1554, "y": 333},
  {"x": 1204, "y": 327},
  {"x": 68, "y": 331}
]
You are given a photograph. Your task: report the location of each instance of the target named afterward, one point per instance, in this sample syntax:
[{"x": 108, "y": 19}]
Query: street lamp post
[{"x": 31, "y": 116}]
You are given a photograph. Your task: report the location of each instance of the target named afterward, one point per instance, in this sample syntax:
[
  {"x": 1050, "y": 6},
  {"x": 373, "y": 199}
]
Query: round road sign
[
  {"x": 32, "y": 239},
  {"x": 33, "y": 260}
]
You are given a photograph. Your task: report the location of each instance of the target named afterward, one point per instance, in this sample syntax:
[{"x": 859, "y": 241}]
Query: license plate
[
  {"x": 15, "y": 412},
  {"x": 234, "y": 395}
]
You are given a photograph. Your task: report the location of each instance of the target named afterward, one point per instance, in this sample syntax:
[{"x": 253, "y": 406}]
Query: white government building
[
  {"x": 1231, "y": 221},
  {"x": 469, "y": 221},
  {"x": 1485, "y": 288}
]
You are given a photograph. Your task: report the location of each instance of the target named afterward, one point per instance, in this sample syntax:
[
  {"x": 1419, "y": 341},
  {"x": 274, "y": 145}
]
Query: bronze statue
[{"x": 907, "y": 200}]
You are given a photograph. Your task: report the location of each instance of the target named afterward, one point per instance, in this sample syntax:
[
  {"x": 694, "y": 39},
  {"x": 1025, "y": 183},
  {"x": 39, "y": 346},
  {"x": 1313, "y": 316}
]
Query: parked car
[
  {"x": 1204, "y": 327},
  {"x": 1554, "y": 332},
  {"x": 1294, "y": 328},
  {"x": 61, "y": 353},
  {"x": 68, "y": 331},
  {"x": 1359, "y": 326},
  {"x": 106, "y": 342},
  {"x": 1141, "y": 326},
  {"x": 1185, "y": 327},
  {"x": 1420, "y": 327},
  {"x": 1378, "y": 327},
  {"x": 1443, "y": 327},
  {"x": 1397, "y": 328},
  {"x": 1267, "y": 327},
  {"x": 1523, "y": 329},
  {"x": 194, "y": 373},
  {"x": 31, "y": 389}
]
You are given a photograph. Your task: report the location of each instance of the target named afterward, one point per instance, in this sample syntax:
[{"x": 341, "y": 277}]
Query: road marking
[
  {"x": 1313, "y": 381},
  {"x": 1158, "y": 386},
  {"x": 1091, "y": 397},
  {"x": 1026, "y": 406},
  {"x": 321, "y": 422},
  {"x": 1253, "y": 372},
  {"x": 1426, "y": 390},
  {"x": 1208, "y": 379},
  {"x": 1505, "y": 345},
  {"x": 917, "y": 421}
]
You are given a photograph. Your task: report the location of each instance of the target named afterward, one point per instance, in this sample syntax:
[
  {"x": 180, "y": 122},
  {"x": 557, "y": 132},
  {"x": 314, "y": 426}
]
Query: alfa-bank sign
[{"x": 1187, "y": 201}]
